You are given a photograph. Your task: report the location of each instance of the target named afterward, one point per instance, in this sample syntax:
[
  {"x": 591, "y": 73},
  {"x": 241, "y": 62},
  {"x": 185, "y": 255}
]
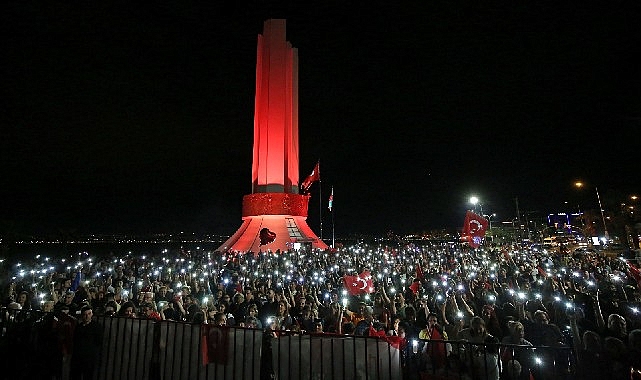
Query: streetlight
[
  {"x": 579, "y": 184},
  {"x": 475, "y": 200},
  {"x": 489, "y": 218}
]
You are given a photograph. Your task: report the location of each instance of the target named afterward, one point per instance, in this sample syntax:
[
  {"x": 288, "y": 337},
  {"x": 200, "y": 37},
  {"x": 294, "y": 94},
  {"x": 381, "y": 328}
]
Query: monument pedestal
[{"x": 283, "y": 214}]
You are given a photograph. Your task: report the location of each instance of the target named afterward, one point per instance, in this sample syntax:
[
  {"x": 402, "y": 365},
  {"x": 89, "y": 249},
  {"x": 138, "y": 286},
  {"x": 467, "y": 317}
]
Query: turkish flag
[
  {"x": 360, "y": 284},
  {"x": 437, "y": 351},
  {"x": 373, "y": 332},
  {"x": 635, "y": 273},
  {"x": 367, "y": 277},
  {"x": 474, "y": 228},
  {"x": 396, "y": 341},
  {"x": 315, "y": 176},
  {"x": 351, "y": 284},
  {"x": 414, "y": 287}
]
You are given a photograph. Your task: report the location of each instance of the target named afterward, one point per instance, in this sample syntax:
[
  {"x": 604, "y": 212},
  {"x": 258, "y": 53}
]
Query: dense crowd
[{"x": 510, "y": 295}]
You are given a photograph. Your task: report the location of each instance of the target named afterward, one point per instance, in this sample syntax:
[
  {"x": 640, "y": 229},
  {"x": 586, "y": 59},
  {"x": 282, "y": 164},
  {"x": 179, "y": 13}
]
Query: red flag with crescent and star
[
  {"x": 474, "y": 229},
  {"x": 635, "y": 273},
  {"x": 359, "y": 284},
  {"x": 313, "y": 177}
]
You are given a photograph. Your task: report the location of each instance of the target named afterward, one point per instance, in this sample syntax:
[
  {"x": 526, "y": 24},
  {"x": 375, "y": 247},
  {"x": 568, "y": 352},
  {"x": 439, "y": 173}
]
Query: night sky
[{"x": 137, "y": 118}]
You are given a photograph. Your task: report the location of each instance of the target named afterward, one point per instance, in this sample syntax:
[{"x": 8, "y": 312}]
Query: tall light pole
[
  {"x": 598, "y": 197},
  {"x": 605, "y": 229},
  {"x": 489, "y": 219},
  {"x": 475, "y": 200}
]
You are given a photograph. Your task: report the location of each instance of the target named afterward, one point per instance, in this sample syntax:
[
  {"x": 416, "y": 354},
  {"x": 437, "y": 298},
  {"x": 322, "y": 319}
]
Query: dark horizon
[{"x": 138, "y": 120}]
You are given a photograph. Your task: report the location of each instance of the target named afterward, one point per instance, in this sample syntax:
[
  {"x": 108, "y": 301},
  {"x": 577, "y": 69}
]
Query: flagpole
[
  {"x": 333, "y": 236},
  {"x": 320, "y": 201}
]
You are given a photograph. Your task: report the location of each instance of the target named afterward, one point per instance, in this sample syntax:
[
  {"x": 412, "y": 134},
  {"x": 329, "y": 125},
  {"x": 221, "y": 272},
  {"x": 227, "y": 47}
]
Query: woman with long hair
[
  {"x": 282, "y": 320},
  {"x": 223, "y": 307}
]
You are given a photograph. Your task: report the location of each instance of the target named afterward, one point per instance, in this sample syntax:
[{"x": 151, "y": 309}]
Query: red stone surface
[{"x": 275, "y": 204}]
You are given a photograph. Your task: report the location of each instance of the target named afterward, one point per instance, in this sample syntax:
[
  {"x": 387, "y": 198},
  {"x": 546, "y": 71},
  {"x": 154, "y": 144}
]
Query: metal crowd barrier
[
  {"x": 140, "y": 349},
  {"x": 451, "y": 359}
]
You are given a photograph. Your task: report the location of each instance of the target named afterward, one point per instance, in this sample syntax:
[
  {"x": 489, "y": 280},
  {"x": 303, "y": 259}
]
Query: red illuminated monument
[{"x": 275, "y": 214}]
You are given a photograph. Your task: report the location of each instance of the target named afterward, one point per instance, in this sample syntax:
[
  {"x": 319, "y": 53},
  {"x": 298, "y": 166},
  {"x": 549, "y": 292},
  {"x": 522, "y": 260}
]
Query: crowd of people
[{"x": 442, "y": 302}]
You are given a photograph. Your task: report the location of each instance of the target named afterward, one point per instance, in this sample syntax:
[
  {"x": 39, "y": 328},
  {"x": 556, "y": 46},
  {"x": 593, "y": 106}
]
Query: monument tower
[{"x": 275, "y": 214}]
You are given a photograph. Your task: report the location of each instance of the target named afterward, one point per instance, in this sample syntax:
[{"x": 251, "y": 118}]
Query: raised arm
[
  {"x": 384, "y": 294},
  {"x": 466, "y": 307},
  {"x": 392, "y": 306},
  {"x": 520, "y": 309},
  {"x": 315, "y": 296},
  {"x": 600, "y": 322},
  {"x": 443, "y": 314},
  {"x": 576, "y": 337}
]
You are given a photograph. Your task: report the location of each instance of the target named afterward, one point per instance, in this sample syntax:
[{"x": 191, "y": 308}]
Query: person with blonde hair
[{"x": 521, "y": 355}]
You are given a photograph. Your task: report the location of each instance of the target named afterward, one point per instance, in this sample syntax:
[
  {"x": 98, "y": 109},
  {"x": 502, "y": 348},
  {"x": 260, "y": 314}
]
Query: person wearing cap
[
  {"x": 163, "y": 295},
  {"x": 87, "y": 341}
]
